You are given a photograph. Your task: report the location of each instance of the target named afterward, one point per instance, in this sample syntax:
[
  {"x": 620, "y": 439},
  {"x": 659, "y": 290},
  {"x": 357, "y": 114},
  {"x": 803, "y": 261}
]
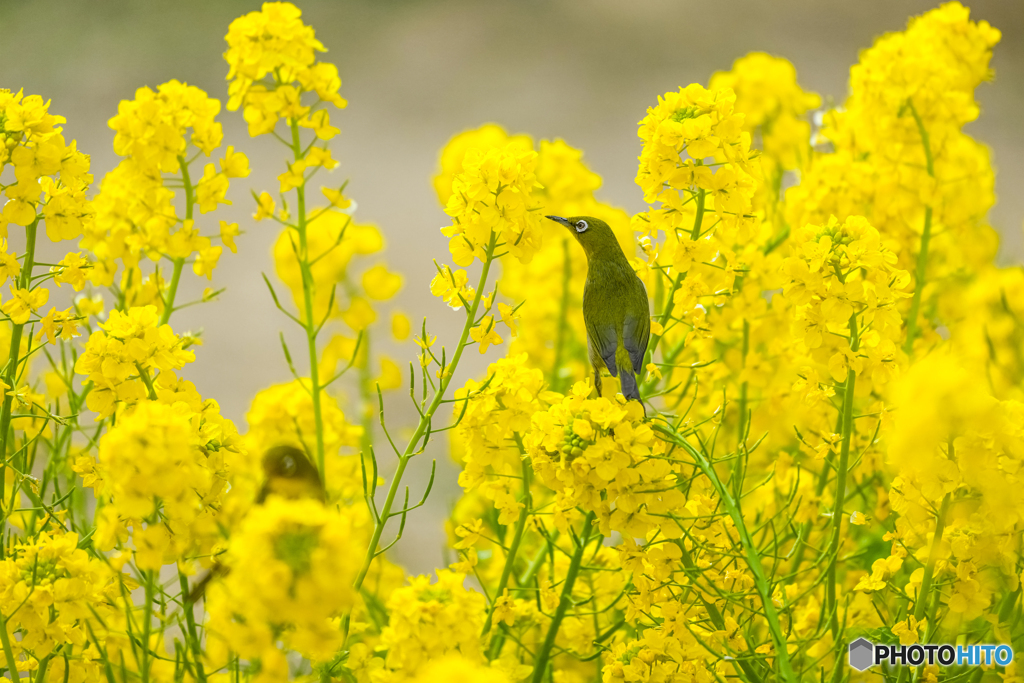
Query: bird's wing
[
  {"x": 636, "y": 332},
  {"x": 601, "y": 337}
]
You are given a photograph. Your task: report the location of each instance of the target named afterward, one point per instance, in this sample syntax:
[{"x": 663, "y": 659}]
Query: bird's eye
[
  {"x": 289, "y": 464},
  {"x": 581, "y": 226}
]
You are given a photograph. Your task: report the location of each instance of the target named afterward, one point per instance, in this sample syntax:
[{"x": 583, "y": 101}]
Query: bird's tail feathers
[
  {"x": 627, "y": 380},
  {"x": 629, "y": 386},
  {"x": 625, "y": 373}
]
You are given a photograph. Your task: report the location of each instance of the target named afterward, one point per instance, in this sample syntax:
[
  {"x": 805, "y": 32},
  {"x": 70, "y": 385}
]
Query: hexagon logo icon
[{"x": 862, "y": 654}]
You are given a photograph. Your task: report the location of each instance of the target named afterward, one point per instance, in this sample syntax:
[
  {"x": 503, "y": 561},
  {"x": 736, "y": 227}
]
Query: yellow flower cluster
[
  {"x": 49, "y": 183},
  {"x": 56, "y": 596},
  {"x": 151, "y": 129},
  {"x": 934, "y": 67},
  {"x": 599, "y": 455},
  {"x": 162, "y": 472},
  {"x": 119, "y": 358},
  {"x": 457, "y": 669},
  {"x": 290, "y": 577},
  {"x": 452, "y": 287},
  {"x": 272, "y": 56},
  {"x": 844, "y": 286},
  {"x": 667, "y": 653},
  {"x": 953, "y": 440},
  {"x": 774, "y": 107},
  {"x": 429, "y": 621},
  {"x": 493, "y": 414},
  {"x": 492, "y": 204},
  {"x": 986, "y": 323},
  {"x": 135, "y": 213},
  {"x": 704, "y": 125},
  {"x": 50, "y": 176},
  {"x": 902, "y": 160}
]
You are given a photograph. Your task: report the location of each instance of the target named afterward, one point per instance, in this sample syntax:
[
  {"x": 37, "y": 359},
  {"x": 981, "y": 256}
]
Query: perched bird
[
  {"x": 615, "y": 306},
  {"x": 287, "y": 473}
]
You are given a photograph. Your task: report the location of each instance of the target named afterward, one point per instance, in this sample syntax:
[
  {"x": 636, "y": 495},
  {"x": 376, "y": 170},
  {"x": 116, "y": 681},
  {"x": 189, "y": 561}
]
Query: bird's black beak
[{"x": 559, "y": 219}]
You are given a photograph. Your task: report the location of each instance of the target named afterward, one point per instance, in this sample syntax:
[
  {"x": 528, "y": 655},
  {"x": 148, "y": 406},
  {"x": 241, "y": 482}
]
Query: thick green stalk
[
  {"x": 10, "y": 375},
  {"x": 310, "y": 324},
  {"x": 926, "y": 235},
  {"x": 540, "y": 662},
  {"x": 425, "y": 421}
]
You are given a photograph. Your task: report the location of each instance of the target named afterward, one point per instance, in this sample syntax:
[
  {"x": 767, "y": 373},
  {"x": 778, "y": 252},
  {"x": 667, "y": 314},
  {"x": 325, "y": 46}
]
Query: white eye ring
[{"x": 581, "y": 226}]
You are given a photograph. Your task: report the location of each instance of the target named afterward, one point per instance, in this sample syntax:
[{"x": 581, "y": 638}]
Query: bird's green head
[
  {"x": 593, "y": 234},
  {"x": 289, "y": 463}
]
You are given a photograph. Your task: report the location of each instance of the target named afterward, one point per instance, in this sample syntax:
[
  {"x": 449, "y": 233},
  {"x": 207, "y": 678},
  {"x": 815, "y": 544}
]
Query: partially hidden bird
[
  {"x": 615, "y": 306},
  {"x": 288, "y": 473}
]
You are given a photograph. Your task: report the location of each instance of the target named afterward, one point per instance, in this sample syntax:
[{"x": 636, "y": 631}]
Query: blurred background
[{"x": 417, "y": 72}]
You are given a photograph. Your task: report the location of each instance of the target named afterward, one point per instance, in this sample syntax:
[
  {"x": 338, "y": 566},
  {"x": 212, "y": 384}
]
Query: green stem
[
  {"x": 172, "y": 291},
  {"x": 819, "y": 488},
  {"x": 534, "y": 565},
  {"x": 447, "y": 374},
  {"x": 365, "y": 393},
  {"x": 744, "y": 665},
  {"x": 144, "y": 376},
  {"x": 513, "y": 549},
  {"x": 742, "y": 435},
  {"x": 540, "y": 663},
  {"x": 10, "y": 375},
  {"x": 12, "y": 664},
  {"x": 919, "y": 280},
  {"x": 147, "y": 625},
  {"x": 193, "y": 636},
  {"x": 310, "y": 324},
  {"x": 837, "y": 510},
  {"x": 753, "y": 558},
  {"x": 929, "y": 569},
  {"x": 926, "y": 234},
  {"x": 179, "y": 263},
  {"x": 44, "y": 664}
]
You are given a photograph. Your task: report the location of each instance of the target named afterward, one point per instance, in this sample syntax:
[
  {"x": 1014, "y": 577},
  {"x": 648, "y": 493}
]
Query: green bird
[
  {"x": 288, "y": 473},
  {"x": 615, "y": 307}
]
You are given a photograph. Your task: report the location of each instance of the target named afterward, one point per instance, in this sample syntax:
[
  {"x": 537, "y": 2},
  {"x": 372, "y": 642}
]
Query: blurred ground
[{"x": 417, "y": 72}]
